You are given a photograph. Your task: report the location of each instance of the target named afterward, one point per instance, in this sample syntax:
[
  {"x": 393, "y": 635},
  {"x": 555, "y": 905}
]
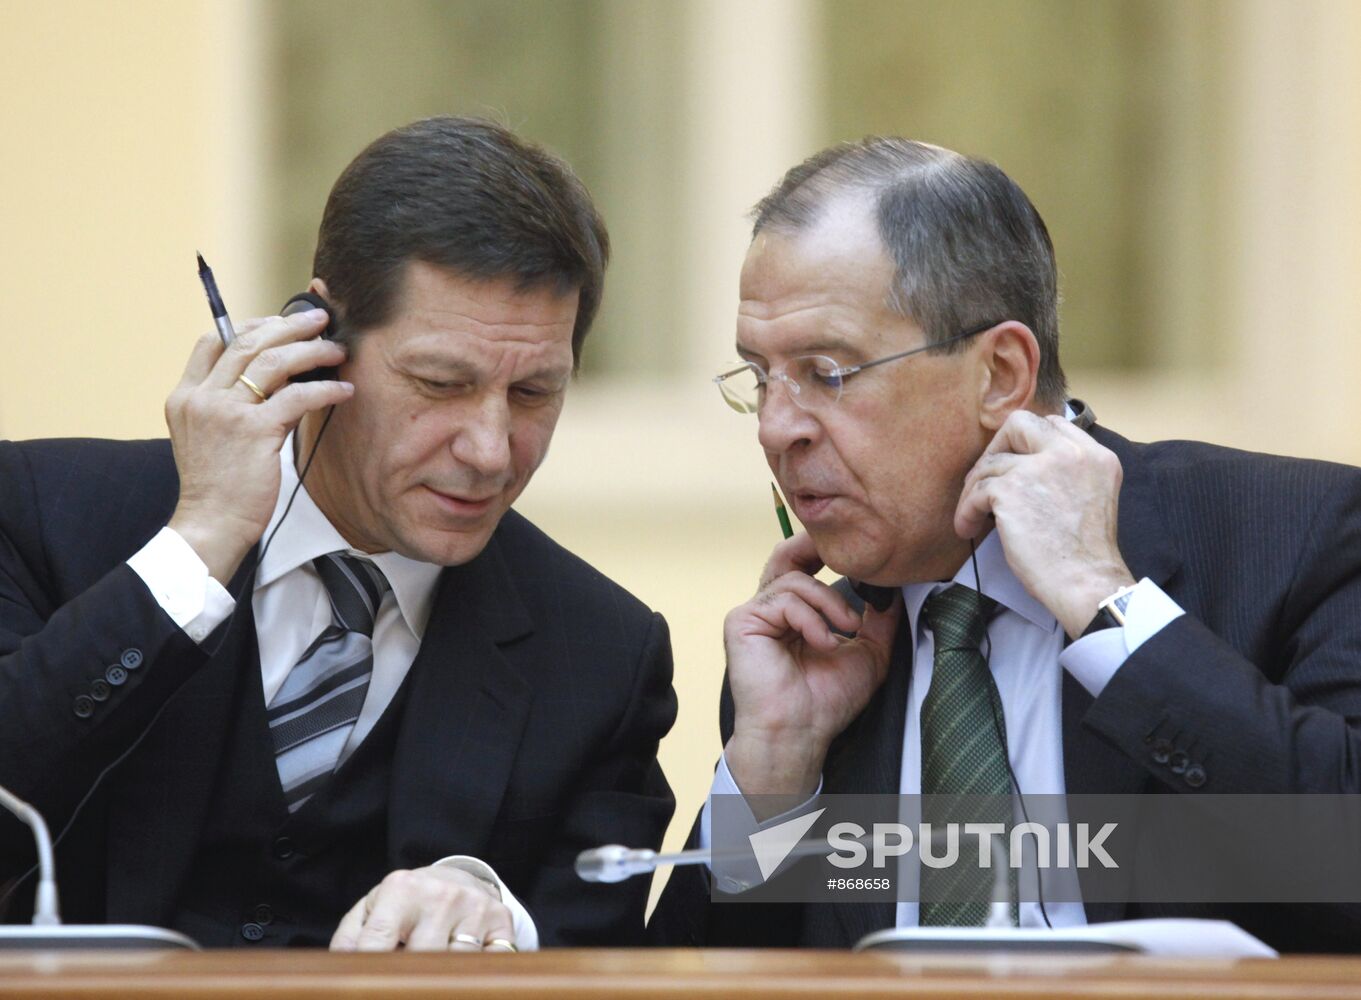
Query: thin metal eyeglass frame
[{"x": 843, "y": 372}]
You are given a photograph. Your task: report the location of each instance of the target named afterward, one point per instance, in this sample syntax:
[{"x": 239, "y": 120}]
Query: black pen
[{"x": 224, "y": 325}]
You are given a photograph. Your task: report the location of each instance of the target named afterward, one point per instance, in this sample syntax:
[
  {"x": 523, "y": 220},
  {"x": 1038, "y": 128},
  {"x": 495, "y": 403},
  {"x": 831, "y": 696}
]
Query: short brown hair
[{"x": 464, "y": 194}]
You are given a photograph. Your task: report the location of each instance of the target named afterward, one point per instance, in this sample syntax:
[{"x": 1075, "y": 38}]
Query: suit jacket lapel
[
  {"x": 164, "y": 788},
  {"x": 465, "y": 712}
]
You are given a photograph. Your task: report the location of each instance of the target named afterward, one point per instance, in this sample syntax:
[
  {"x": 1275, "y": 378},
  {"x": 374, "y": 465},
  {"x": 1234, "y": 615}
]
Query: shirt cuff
[
  {"x": 526, "y": 933},
  {"x": 734, "y": 875},
  {"x": 181, "y": 584},
  {"x": 1094, "y": 659}
]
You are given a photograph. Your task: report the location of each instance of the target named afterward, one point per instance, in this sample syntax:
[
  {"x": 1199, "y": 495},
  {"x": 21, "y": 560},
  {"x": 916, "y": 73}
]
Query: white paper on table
[{"x": 1168, "y": 938}]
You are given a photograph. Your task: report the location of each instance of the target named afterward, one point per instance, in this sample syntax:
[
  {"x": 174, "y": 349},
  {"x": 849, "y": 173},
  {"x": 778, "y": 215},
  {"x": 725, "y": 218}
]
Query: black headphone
[{"x": 302, "y": 302}]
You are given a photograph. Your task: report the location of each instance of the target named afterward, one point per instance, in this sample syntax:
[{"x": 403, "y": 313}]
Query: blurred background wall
[{"x": 1196, "y": 161}]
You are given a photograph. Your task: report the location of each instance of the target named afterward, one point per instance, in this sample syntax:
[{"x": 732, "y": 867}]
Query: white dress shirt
[
  {"x": 292, "y": 608},
  {"x": 1027, "y": 657}
]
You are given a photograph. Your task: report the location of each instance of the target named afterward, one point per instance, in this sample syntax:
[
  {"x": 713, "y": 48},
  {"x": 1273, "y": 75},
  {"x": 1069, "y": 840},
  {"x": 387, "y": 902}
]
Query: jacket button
[
  {"x": 116, "y": 675},
  {"x": 1161, "y": 751},
  {"x": 252, "y": 931},
  {"x": 100, "y": 690},
  {"x": 264, "y": 915},
  {"x": 1195, "y": 776},
  {"x": 283, "y": 848},
  {"x": 1178, "y": 761},
  {"x": 131, "y": 658},
  {"x": 84, "y": 706}
]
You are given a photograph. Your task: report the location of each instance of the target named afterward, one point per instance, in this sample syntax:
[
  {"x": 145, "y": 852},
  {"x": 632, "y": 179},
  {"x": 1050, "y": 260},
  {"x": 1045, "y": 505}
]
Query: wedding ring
[
  {"x": 501, "y": 944},
  {"x": 252, "y": 386},
  {"x": 467, "y": 939}
]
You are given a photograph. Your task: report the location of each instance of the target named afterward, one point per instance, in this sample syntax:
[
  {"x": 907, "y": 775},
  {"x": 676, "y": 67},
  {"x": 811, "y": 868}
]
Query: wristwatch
[{"x": 1110, "y": 613}]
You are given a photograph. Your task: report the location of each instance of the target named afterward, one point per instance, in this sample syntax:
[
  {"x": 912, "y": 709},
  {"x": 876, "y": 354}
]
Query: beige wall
[
  {"x": 123, "y": 153},
  {"x": 132, "y": 136}
]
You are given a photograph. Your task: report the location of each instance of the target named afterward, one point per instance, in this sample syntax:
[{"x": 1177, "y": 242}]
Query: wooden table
[{"x": 641, "y": 974}]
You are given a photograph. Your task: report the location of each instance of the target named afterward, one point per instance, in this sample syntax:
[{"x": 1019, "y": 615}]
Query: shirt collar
[
  {"x": 998, "y": 582},
  {"x": 309, "y": 535}
]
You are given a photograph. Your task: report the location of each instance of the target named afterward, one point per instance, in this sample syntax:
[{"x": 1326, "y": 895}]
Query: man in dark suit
[
  {"x": 1173, "y": 617},
  {"x": 381, "y": 711}
]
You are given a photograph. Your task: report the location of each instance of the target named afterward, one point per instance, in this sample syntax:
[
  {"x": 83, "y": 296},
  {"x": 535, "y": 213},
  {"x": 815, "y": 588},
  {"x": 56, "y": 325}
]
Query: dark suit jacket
[
  {"x": 1259, "y": 683},
  {"x": 532, "y": 735}
]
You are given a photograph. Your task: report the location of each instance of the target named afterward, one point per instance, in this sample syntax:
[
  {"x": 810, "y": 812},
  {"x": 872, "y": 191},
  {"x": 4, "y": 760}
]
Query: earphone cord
[
  {"x": 248, "y": 577},
  {"x": 1002, "y": 738}
]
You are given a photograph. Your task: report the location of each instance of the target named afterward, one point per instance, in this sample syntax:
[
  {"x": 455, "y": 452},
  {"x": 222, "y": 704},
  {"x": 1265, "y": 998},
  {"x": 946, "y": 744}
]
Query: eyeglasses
[{"x": 814, "y": 381}]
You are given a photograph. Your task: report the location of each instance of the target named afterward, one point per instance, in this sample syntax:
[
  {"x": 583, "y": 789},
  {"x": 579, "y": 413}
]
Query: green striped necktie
[{"x": 964, "y": 757}]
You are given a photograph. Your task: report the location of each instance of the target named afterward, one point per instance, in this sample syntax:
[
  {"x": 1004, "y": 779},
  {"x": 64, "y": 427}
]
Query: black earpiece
[
  {"x": 302, "y": 302},
  {"x": 879, "y": 598}
]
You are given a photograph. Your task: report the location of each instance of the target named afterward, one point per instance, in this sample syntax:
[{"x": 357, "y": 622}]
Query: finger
[
  {"x": 347, "y": 933},
  {"x": 1022, "y": 433},
  {"x": 500, "y": 925},
  {"x": 990, "y": 465},
  {"x": 785, "y": 616},
  {"x": 976, "y": 508},
  {"x": 295, "y": 400},
  {"x": 390, "y": 921},
  {"x": 1067, "y": 429},
  {"x": 827, "y": 600},
  {"x": 272, "y": 332},
  {"x": 794, "y": 553},
  {"x": 274, "y": 366},
  {"x": 472, "y": 927},
  {"x": 482, "y": 923},
  {"x": 207, "y": 349},
  {"x": 434, "y": 929},
  {"x": 247, "y": 325}
]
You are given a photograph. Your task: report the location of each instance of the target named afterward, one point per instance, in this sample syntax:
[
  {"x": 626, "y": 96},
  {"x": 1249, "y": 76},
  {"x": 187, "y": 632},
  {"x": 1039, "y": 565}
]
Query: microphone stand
[{"x": 47, "y": 931}]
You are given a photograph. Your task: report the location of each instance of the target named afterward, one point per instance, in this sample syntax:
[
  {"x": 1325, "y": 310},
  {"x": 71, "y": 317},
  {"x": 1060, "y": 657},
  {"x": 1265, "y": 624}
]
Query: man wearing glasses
[{"x": 1063, "y": 610}]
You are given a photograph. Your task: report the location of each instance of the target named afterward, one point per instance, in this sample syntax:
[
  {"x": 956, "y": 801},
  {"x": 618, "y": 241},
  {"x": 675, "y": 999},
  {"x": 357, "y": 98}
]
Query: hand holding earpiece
[
  {"x": 1053, "y": 492},
  {"x": 228, "y": 418}
]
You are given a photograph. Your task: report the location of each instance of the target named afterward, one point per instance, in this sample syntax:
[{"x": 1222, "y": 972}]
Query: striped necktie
[
  {"x": 964, "y": 757},
  {"x": 313, "y": 713}
]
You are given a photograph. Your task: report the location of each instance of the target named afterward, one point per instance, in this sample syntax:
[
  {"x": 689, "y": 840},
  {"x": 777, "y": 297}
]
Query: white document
[{"x": 1171, "y": 938}]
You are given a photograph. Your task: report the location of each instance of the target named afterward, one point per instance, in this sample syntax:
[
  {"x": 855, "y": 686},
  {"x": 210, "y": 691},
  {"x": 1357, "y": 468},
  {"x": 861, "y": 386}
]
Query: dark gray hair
[{"x": 968, "y": 246}]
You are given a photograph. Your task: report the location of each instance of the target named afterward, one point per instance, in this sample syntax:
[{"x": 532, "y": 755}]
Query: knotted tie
[
  {"x": 313, "y": 713},
  {"x": 963, "y": 754}
]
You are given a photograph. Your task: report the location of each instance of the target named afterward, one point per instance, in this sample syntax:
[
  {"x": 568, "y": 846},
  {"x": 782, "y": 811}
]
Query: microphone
[
  {"x": 47, "y": 930},
  {"x": 615, "y": 863},
  {"x": 45, "y": 913}
]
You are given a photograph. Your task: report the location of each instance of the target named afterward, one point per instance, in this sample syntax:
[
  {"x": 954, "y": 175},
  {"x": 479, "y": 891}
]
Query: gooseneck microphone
[
  {"x": 47, "y": 930},
  {"x": 615, "y": 863},
  {"x": 45, "y": 912}
]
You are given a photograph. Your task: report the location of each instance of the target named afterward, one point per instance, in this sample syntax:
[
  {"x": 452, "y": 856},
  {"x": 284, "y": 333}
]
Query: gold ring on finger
[
  {"x": 501, "y": 944},
  {"x": 468, "y": 939},
  {"x": 252, "y": 387}
]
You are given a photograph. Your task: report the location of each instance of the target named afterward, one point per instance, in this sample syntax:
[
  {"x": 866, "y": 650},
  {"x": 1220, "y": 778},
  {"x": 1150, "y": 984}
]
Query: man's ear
[
  {"x": 318, "y": 287},
  {"x": 1011, "y": 366}
]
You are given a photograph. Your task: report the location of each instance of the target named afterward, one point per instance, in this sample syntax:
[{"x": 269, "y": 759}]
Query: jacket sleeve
[
  {"x": 1288, "y": 723},
  {"x": 81, "y": 676}
]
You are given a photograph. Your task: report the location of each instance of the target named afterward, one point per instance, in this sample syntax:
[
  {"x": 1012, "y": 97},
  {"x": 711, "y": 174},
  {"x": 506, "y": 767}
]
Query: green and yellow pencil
[{"x": 781, "y": 513}]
